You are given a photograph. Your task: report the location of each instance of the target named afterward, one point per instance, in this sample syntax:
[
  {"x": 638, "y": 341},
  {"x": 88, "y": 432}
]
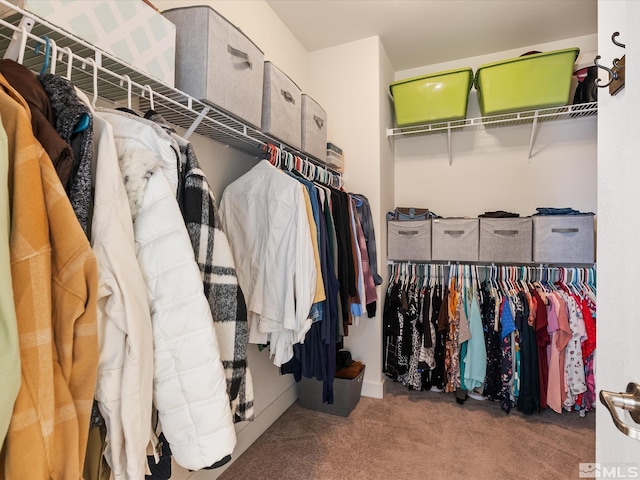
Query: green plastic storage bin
[
  {"x": 531, "y": 82},
  {"x": 437, "y": 97}
]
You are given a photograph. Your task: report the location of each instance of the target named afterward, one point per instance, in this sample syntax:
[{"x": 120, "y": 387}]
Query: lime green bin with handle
[
  {"x": 529, "y": 82},
  {"x": 436, "y": 97}
]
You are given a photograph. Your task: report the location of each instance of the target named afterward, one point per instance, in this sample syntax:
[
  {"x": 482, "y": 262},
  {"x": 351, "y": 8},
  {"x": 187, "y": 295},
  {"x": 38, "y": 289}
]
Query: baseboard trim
[
  {"x": 250, "y": 432},
  {"x": 373, "y": 389}
]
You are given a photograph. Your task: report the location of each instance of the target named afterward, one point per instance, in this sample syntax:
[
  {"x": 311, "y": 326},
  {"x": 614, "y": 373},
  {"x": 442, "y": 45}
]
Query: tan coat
[{"x": 55, "y": 287}]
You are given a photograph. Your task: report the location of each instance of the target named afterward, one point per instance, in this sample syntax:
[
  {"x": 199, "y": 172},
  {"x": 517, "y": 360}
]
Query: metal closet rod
[{"x": 448, "y": 263}]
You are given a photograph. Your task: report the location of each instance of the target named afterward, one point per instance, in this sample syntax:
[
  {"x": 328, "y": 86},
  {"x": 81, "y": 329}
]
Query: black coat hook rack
[{"x": 616, "y": 73}]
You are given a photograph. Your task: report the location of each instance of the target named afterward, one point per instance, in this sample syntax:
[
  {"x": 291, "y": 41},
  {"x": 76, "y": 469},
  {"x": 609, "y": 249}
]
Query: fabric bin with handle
[
  {"x": 506, "y": 240},
  {"x": 454, "y": 239},
  {"x": 563, "y": 239},
  {"x": 529, "y": 82},
  {"x": 217, "y": 63},
  {"x": 437, "y": 97},
  {"x": 314, "y": 128},
  {"x": 346, "y": 395},
  {"x": 281, "y": 106},
  {"x": 409, "y": 240}
]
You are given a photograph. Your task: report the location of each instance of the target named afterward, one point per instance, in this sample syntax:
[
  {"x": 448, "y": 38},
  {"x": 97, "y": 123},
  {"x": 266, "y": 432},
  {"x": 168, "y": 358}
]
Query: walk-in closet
[{"x": 229, "y": 253}]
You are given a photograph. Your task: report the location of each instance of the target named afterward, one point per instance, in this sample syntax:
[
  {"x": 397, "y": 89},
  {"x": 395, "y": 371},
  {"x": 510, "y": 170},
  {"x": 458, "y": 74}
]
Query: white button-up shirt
[{"x": 264, "y": 216}]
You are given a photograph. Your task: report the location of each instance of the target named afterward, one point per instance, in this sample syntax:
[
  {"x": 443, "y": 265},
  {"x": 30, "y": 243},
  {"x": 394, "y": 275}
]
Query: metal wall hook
[
  {"x": 612, "y": 75},
  {"x": 616, "y": 63},
  {"x": 615, "y": 42}
]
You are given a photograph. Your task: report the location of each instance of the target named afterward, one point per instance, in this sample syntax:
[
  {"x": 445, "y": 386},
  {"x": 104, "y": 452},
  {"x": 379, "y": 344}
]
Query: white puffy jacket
[{"x": 189, "y": 381}]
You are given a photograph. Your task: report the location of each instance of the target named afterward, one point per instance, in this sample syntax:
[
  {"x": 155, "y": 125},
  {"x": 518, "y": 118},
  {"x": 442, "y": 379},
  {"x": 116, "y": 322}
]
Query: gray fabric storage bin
[
  {"x": 217, "y": 63},
  {"x": 346, "y": 395},
  {"x": 409, "y": 240},
  {"x": 281, "y": 106},
  {"x": 506, "y": 240},
  {"x": 563, "y": 239},
  {"x": 454, "y": 239},
  {"x": 314, "y": 128}
]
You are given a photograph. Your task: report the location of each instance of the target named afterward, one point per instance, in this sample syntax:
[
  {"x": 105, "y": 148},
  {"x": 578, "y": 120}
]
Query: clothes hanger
[
  {"x": 128, "y": 79},
  {"x": 85, "y": 120},
  {"x": 69, "y": 53},
  {"x": 47, "y": 53},
  {"x": 148, "y": 87}
]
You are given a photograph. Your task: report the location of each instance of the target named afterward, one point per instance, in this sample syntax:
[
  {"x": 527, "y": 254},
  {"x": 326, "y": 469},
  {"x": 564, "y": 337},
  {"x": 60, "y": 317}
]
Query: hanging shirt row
[
  {"x": 527, "y": 344},
  {"x": 306, "y": 261},
  {"x": 124, "y": 290}
]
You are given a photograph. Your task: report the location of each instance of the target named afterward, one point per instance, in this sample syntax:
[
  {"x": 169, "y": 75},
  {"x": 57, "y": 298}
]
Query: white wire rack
[
  {"x": 532, "y": 117},
  {"x": 105, "y": 76}
]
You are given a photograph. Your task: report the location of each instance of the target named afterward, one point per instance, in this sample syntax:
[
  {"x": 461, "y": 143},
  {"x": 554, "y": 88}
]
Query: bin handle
[
  {"x": 288, "y": 97},
  {"x": 408, "y": 232},
  {"x": 453, "y": 232},
  {"x": 239, "y": 53},
  {"x": 319, "y": 121},
  {"x": 506, "y": 232},
  {"x": 565, "y": 230}
]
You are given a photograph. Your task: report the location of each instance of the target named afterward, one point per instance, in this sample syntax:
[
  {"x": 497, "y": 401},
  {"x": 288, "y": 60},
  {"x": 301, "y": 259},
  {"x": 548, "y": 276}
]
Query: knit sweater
[{"x": 68, "y": 111}]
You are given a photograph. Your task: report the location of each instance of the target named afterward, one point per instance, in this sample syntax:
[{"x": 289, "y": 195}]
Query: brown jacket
[
  {"x": 42, "y": 118},
  {"x": 55, "y": 288}
]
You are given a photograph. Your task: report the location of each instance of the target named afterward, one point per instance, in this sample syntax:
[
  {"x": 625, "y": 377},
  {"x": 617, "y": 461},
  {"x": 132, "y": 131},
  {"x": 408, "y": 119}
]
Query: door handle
[{"x": 629, "y": 401}]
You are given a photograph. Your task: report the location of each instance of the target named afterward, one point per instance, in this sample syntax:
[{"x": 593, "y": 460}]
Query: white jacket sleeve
[
  {"x": 125, "y": 368},
  {"x": 189, "y": 381},
  {"x": 305, "y": 273}
]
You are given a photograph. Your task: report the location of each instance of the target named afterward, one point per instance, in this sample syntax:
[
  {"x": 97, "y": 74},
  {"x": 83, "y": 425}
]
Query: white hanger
[
  {"x": 95, "y": 80},
  {"x": 69, "y": 53},
  {"x": 151, "y": 106},
  {"x": 128, "y": 79}
]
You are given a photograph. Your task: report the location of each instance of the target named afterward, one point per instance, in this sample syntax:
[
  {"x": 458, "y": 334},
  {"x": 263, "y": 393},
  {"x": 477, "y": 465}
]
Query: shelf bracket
[
  {"x": 196, "y": 122},
  {"x": 15, "y": 50},
  {"x": 449, "y": 143},
  {"x": 534, "y": 127}
]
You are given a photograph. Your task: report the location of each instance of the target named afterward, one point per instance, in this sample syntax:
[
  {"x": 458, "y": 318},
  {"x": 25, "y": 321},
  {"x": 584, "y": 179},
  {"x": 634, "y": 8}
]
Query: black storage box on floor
[{"x": 346, "y": 395}]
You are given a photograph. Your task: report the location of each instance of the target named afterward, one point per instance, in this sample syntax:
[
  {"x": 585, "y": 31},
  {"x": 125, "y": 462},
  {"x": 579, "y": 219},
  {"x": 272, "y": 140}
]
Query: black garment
[
  {"x": 346, "y": 273},
  {"x": 499, "y": 214},
  {"x": 529, "y": 397},
  {"x": 396, "y": 364},
  {"x": 440, "y": 323},
  {"x": 492, "y": 382},
  {"x": 162, "y": 469},
  {"x": 409, "y": 314}
]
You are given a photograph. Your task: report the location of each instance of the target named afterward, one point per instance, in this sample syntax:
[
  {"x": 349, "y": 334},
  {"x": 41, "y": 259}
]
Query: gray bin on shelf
[
  {"x": 346, "y": 395},
  {"x": 409, "y": 240},
  {"x": 454, "y": 239},
  {"x": 314, "y": 128},
  {"x": 281, "y": 106},
  {"x": 506, "y": 240},
  {"x": 217, "y": 63},
  {"x": 563, "y": 239}
]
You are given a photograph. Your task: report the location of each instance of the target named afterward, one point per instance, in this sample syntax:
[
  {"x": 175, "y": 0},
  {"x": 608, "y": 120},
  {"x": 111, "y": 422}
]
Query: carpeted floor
[{"x": 419, "y": 435}]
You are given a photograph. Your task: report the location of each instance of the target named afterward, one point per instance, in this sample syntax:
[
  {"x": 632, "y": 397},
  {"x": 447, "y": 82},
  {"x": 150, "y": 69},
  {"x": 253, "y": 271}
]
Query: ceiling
[{"x": 425, "y": 32}]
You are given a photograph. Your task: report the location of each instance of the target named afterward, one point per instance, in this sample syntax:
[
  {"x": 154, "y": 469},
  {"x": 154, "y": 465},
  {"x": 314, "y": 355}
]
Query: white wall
[
  {"x": 618, "y": 329},
  {"x": 490, "y": 169},
  {"x": 347, "y": 81}
]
